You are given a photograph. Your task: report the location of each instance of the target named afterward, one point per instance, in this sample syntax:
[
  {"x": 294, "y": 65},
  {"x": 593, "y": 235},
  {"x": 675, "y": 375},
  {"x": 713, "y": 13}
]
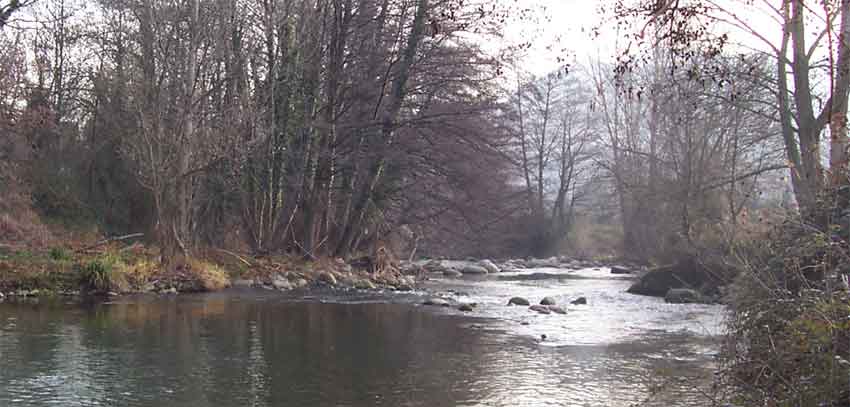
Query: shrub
[
  {"x": 104, "y": 273},
  {"x": 209, "y": 277},
  {"x": 139, "y": 273},
  {"x": 788, "y": 342},
  {"x": 59, "y": 254}
]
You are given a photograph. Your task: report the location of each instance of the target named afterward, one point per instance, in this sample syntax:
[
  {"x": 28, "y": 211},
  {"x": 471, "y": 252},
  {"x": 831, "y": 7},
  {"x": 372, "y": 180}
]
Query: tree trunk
[{"x": 397, "y": 96}]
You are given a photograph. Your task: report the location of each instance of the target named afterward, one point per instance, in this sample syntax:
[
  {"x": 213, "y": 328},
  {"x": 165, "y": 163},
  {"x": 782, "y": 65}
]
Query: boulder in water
[
  {"x": 281, "y": 283},
  {"x": 169, "y": 291},
  {"x": 550, "y": 262},
  {"x": 452, "y": 273},
  {"x": 243, "y": 283},
  {"x": 683, "y": 296},
  {"x": 364, "y": 285},
  {"x": 434, "y": 266},
  {"x": 437, "y": 302},
  {"x": 472, "y": 269},
  {"x": 547, "y": 301},
  {"x": 518, "y": 301},
  {"x": 556, "y": 309},
  {"x": 688, "y": 273},
  {"x": 327, "y": 278},
  {"x": 620, "y": 270},
  {"x": 579, "y": 301},
  {"x": 540, "y": 308},
  {"x": 465, "y": 307},
  {"x": 489, "y": 266}
]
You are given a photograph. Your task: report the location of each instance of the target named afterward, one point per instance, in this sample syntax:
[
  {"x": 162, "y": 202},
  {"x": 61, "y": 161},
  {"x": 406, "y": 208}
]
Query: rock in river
[
  {"x": 683, "y": 296},
  {"x": 551, "y": 262},
  {"x": 452, "y": 273},
  {"x": 281, "y": 283},
  {"x": 707, "y": 276},
  {"x": 540, "y": 308},
  {"x": 518, "y": 301},
  {"x": 438, "y": 302},
  {"x": 169, "y": 290},
  {"x": 557, "y": 309},
  {"x": 435, "y": 266},
  {"x": 243, "y": 283},
  {"x": 327, "y": 277},
  {"x": 620, "y": 270},
  {"x": 547, "y": 301},
  {"x": 470, "y": 269},
  {"x": 579, "y": 301},
  {"x": 465, "y": 307},
  {"x": 489, "y": 266},
  {"x": 364, "y": 285}
]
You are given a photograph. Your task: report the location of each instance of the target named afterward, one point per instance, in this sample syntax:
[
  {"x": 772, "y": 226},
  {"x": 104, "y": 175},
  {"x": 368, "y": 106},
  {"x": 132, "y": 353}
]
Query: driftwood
[{"x": 110, "y": 240}]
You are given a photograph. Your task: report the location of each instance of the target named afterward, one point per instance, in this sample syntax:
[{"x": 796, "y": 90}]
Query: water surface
[{"x": 261, "y": 348}]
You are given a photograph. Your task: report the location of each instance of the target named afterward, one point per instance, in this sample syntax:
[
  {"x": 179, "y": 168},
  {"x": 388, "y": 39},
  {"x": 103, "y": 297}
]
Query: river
[{"x": 245, "y": 347}]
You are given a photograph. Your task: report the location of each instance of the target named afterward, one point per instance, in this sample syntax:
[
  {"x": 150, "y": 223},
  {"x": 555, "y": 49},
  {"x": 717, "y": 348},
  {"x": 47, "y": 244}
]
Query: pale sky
[
  {"x": 558, "y": 25},
  {"x": 567, "y": 24}
]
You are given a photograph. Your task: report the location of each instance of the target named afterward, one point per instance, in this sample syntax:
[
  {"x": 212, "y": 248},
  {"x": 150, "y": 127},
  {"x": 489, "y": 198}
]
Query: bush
[
  {"x": 59, "y": 254},
  {"x": 789, "y": 333},
  {"x": 104, "y": 273},
  {"x": 208, "y": 276},
  {"x": 139, "y": 273}
]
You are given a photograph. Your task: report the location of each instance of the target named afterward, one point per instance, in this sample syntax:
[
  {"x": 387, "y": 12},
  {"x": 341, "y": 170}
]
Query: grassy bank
[{"x": 136, "y": 268}]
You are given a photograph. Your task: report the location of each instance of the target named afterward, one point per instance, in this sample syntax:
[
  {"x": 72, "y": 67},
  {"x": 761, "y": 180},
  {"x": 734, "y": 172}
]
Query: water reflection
[{"x": 249, "y": 350}]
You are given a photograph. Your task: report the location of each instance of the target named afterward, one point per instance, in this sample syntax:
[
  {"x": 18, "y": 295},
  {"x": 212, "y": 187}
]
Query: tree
[
  {"x": 551, "y": 124},
  {"x": 685, "y": 154},
  {"x": 805, "y": 110}
]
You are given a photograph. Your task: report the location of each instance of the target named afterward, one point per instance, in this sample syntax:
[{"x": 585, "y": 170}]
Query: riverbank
[{"x": 116, "y": 270}]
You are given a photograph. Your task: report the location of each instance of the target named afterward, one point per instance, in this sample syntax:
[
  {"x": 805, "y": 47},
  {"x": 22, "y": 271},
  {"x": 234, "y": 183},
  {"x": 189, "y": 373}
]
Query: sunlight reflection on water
[{"x": 255, "y": 348}]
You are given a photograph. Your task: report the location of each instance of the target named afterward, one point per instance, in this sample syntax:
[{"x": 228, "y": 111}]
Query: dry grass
[
  {"x": 209, "y": 276},
  {"x": 140, "y": 273}
]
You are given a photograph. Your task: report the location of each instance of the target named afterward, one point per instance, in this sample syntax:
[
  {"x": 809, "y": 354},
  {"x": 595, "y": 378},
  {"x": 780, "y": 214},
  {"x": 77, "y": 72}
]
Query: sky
[
  {"x": 568, "y": 24},
  {"x": 558, "y": 24}
]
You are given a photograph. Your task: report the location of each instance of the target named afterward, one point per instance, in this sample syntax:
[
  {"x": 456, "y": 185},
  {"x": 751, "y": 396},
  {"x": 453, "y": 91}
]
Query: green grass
[
  {"x": 60, "y": 254},
  {"x": 104, "y": 273}
]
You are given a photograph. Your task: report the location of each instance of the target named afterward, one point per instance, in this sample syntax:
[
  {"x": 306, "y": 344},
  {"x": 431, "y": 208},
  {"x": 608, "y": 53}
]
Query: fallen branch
[
  {"x": 238, "y": 257},
  {"x": 110, "y": 240},
  {"x": 306, "y": 252}
]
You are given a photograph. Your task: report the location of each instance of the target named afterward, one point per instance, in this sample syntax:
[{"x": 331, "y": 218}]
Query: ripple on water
[
  {"x": 611, "y": 315},
  {"x": 358, "y": 349}
]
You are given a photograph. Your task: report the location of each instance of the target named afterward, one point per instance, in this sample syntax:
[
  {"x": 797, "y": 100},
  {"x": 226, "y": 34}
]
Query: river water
[{"x": 264, "y": 348}]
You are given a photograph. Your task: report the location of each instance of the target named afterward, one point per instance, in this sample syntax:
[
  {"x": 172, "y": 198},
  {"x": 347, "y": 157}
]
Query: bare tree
[{"x": 798, "y": 58}]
